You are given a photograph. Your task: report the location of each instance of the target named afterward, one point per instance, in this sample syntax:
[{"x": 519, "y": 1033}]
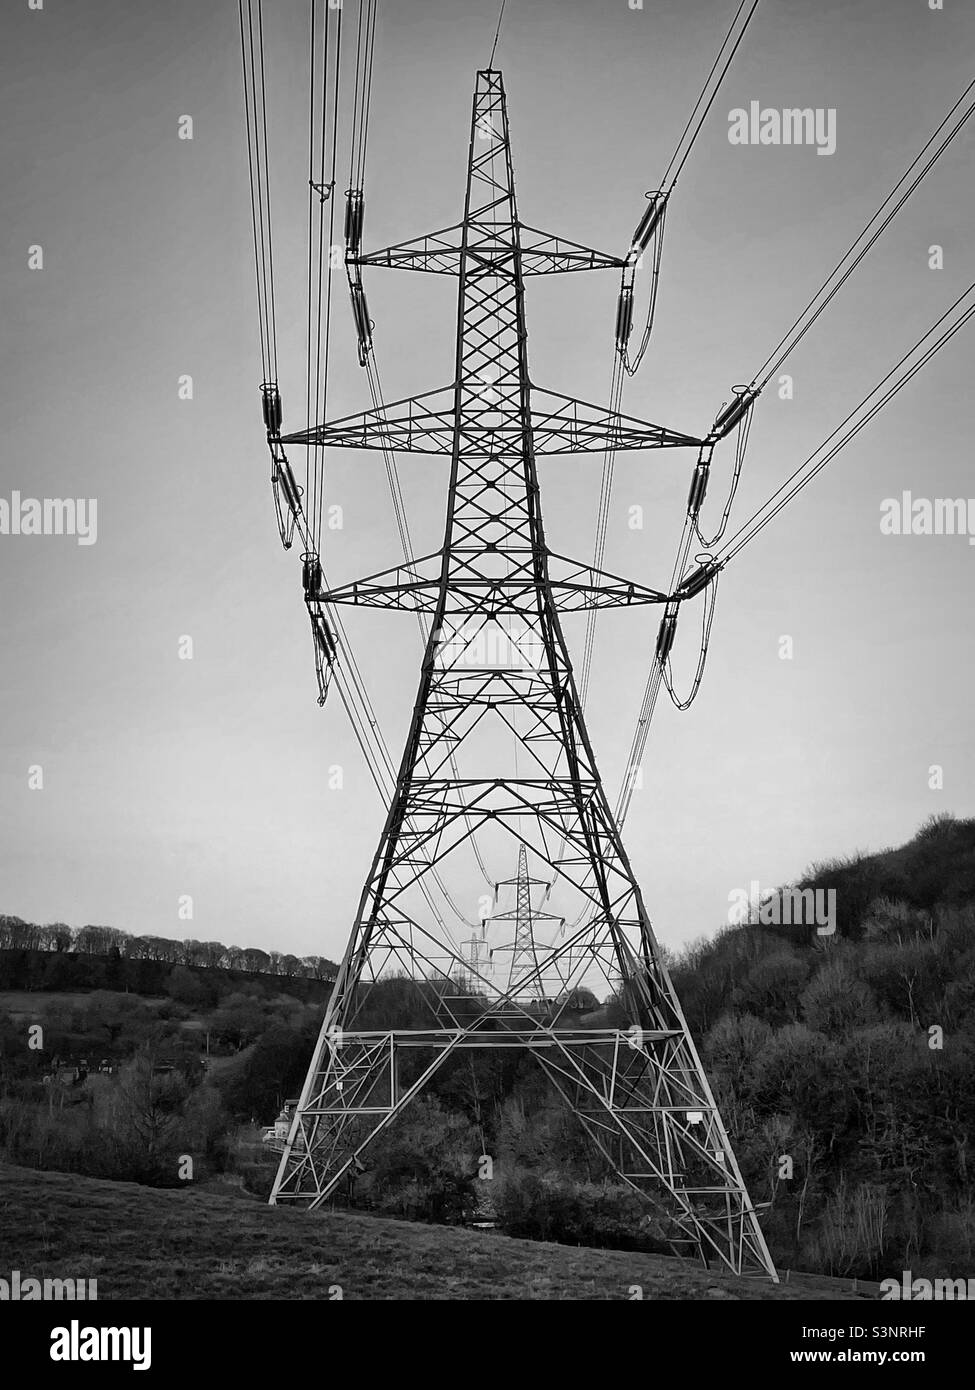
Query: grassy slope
[{"x": 146, "y": 1244}]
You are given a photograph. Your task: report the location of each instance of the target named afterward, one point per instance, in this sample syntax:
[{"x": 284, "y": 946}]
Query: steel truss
[{"x": 627, "y": 1066}]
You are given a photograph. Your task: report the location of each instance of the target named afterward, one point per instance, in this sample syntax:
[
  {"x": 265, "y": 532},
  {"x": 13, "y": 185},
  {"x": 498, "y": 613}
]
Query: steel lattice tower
[
  {"x": 629, "y": 1070},
  {"x": 524, "y": 954}
]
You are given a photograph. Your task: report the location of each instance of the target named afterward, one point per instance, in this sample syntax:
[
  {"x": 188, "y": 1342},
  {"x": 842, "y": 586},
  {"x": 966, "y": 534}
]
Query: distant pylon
[
  {"x": 496, "y": 662},
  {"x": 524, "y": 957}
]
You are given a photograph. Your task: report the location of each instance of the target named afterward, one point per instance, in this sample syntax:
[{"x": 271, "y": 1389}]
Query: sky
[{"x": 162, "y": 777}]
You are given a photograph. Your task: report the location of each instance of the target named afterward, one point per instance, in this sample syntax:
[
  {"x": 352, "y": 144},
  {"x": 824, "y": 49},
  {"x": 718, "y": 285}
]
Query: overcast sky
[{"x": 164, "y": 777}]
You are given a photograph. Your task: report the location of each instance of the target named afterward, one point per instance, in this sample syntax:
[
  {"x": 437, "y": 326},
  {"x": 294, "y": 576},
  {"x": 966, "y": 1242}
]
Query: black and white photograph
[{"x": 487, "y": 782}]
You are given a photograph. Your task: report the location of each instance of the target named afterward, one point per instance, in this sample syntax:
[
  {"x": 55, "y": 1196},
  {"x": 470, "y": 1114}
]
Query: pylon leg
[
  {"x": 348, "y": 1100},
  {"x": 671, "y": 1149}
]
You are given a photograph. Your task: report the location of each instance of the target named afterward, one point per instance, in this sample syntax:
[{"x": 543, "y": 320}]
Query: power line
[
  {"x": 497, "y": 34},
  {"x": 801, "y": 327},
  {"x": 800, "y": 478},
  {"x": 681, "y": 158},
  {"x": 760, "y": 519},
  {"x": 254, "y": 155},
  {"x": 650, "y": 230},
  {"x": 785, "y": 347},
  {"x": 308, "y": 523}
]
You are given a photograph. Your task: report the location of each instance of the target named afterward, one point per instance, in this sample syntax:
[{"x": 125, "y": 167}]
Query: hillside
[
  {"x": 140, "y": 1243},
  {"x": 843, "y": 1063},
  {"x": 934, "y": 870}
]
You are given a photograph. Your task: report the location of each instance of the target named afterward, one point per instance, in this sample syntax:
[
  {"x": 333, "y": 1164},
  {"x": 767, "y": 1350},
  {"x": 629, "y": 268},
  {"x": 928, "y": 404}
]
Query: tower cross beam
[{"x": 493, "y": 419}]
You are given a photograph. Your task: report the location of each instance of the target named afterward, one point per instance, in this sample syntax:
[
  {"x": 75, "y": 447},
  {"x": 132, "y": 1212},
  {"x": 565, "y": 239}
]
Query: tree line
[{"x": 59, "y": 938}]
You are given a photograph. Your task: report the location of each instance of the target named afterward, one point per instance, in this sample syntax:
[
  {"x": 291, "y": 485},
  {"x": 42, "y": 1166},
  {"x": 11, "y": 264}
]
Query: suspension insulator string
[
  {"x": 710, "y": 599},
  {"x": 699, "y": 482}
]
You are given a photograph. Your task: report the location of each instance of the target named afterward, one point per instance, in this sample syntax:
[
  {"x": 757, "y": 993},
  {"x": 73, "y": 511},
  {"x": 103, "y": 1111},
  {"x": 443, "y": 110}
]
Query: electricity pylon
[
  {"x": 524, "y": 952},
  {"x": 496, "y": 656}
]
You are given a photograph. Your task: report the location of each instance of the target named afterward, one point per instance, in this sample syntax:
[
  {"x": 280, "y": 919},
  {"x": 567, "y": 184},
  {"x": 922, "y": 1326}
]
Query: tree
[
  {"x": 183, "y": 986},
  {"x": 423, "y": 1165},
  {"x": 320, "y": 967},
  {"x": 911, "y": 977},
  {"x": 256, "y": 960},
  {"x": 264, "y": 1078},
  {"x": 166, "y": 949},
  {"x": 94, "y": 941},
  {"x": 836, "y": 1002},
  {"x": 116, "y": 1015},
  {"x": 213, "y": 953},
  {"x": 17, "y": 935},
  {"x": 207, "y": 1122},
  {"x": 192, "y": 952},
  {"x": 147, "y": 1114},
  {"x": 59, "y": 971},
  {"x": 731, "y": 1047},
  {"x": 771, "y": 988},
  {"x": 54, "y": 937},
  {"x": 801, "y": 1073},
  {"x": 238, "y": 1020}
]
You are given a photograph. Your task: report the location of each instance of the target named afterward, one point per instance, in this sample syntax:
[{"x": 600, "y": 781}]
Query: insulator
[
  {"x": 360, "y": 311},
  {"x": 285, "y": 489},
  {"x": 624, "y": 317},
  {"x": 649, "y": 221},
  {"x": 325, "y": 652},
  {"x": 730, "y": 416},
  {"x": 326, "y": 645},
  {"x": 271, "y": 405},
  {"x": 311, "y": 574},
  {"x": 286, "y": 481},
  {"x": 324, "y": 637},
  {"x": 698, "y": 579},
  {"x": 354, "y": 208},
  {"x": 665, "y": 636},
  {"x": 699, "y": 486}
]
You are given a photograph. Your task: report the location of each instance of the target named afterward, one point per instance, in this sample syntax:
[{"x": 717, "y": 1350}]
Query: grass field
[{"x": 148, "y": 1244}]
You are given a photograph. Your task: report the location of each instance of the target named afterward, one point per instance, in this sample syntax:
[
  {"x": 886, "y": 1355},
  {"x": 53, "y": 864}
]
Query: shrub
[{"x": 604, "y": 1215}]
